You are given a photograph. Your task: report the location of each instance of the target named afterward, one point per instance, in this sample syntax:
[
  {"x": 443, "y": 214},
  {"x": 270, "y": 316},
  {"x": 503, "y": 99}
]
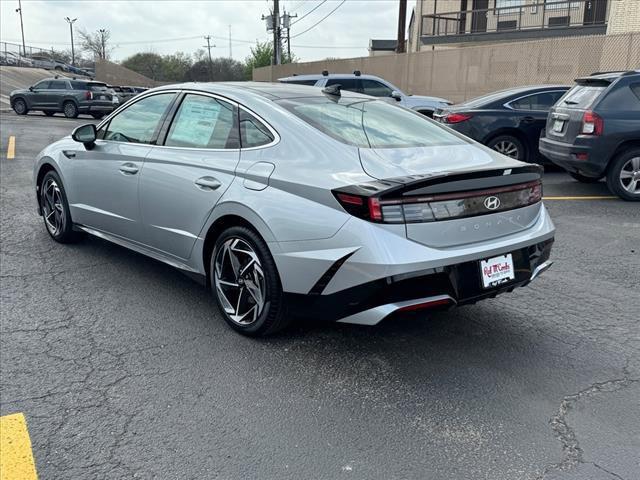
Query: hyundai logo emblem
[{"x": 492, "y": 203}]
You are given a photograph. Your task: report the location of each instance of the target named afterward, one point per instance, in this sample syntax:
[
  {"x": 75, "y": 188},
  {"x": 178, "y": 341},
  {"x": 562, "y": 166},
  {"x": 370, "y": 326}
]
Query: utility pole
[
  {"x": 230, "y": 53},
  {"x": 103, "y": 32},
  {"x": 208, "y": 47},
  {"x": 402, "y": 18},
  {"x": 73, "y": 51},
  {"x": 276, "y": 33},
  {"x": 19, "y": 10}
]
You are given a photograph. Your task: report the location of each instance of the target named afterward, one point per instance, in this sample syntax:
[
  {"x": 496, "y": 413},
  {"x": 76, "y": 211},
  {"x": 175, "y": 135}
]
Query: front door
[
  {"x": 479, "y": 16},
  {"x": 103, "y": 182},
  {"x": 595, "y": 12},
  {"x": 39, "y": 95},
  {"x": 183, "y": 179}
]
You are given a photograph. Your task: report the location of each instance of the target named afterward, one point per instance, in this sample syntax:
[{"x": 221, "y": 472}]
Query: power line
[
  {"x": 310, "y": 11},
  {"x": 320, "y": 21}
]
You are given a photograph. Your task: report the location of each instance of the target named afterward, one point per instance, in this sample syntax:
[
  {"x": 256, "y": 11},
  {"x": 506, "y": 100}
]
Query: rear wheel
[
  {"x": 583, "y": 179},
  {"x": 55, "y": 209},
  {"x": 70, "y": 110},
  {"x": 20, "y": 107},
  {"x": 508, "y": 145},
  {"x": 246, "y": 284},
  {"x": 623, "y": 177}
]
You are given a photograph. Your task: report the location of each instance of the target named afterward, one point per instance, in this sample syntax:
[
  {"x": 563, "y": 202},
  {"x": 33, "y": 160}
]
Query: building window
[{"x": 559, "y": 5}]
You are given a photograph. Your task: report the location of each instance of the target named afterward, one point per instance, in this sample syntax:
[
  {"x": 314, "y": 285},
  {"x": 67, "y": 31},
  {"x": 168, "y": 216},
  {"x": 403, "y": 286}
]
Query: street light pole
[
  {"x": 19, "y": 10},
  {"x": 103, "y": 32},
  {"x": 73, "y": 51}
]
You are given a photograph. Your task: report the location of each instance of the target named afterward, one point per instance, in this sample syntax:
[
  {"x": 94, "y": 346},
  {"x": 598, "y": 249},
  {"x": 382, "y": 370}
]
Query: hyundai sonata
[{"x": 290, "y": 199}]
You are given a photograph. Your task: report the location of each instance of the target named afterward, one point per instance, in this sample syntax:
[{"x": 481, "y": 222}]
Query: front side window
[
  {"x": 41, "y": 85},
  {"x": 139, "y": 122},
  {"x": 375, "y": 88},
  {"x": 370, "y": 123},
  {"x": 203, "y": 122},
  {"x": 253, "y": 133}
]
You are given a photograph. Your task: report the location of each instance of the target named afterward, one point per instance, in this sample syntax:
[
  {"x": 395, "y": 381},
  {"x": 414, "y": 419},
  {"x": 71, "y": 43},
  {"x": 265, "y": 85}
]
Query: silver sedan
[{"x": 291, "y": 199}]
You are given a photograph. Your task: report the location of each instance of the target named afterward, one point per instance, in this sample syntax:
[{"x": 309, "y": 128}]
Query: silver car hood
[{"x": 385, "y": 163}]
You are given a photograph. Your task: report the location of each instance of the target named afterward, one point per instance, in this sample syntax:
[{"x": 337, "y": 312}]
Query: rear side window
[
  {"x": 582, "y": 96},
  {"x": 538, "y": 101},
  {"x": 139, "y": 122},
  {"x": 350, "y": 84},
  {"x": 626, "y": 98},
  {"x": 58, "y": 85},
  {"x": 253, "y": 133},
  {"x": 370, "y": 123},
  {"x": 203, "y": 122}
]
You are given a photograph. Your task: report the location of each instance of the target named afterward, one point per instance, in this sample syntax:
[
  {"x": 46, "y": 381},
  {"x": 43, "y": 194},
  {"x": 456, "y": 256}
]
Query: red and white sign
[{"x": 497, "y": 270}]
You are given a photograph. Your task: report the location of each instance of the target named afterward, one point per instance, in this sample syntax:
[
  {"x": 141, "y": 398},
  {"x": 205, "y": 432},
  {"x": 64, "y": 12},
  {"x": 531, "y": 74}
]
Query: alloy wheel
[
  {"x": 239, "y": 281},
  {"x": 52, "y": 207},
  {"x": 630, "y": 176},
  {"x": 20, "y": 107},
  {"x": 69, "y": 110},
  {"x": 507, "y": 148}
]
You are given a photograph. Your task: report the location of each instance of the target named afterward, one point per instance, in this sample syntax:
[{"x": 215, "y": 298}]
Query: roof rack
[
  {"x": 325, "y": 73},
  {"x": 357, "y": 73}
]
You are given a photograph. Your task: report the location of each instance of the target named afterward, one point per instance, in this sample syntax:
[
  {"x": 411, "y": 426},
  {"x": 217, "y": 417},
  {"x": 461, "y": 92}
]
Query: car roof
[{"x": 272, "y": 91}]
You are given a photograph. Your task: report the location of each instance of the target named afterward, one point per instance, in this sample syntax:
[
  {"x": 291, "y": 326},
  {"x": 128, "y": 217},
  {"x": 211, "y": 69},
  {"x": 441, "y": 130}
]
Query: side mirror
[
  {"x": 397, "y": 95},
  {"x": 31, "y": 88},
  {"x": 85, "y": 134}
]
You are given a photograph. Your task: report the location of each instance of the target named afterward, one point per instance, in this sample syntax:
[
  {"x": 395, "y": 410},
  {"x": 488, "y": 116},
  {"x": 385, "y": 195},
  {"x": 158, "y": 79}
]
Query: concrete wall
[
  {"x": 624, "y": 17},
  {"x": 462, "y": 73},
  {"x": 115, "y": 74}
]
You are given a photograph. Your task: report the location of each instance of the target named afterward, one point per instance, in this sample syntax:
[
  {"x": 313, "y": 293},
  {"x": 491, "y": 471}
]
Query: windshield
[{"x": 370, "y": 123}]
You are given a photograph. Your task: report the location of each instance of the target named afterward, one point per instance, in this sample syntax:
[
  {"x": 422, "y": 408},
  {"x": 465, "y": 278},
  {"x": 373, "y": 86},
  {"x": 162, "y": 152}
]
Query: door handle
[
  {"x": 129, "y": 168},
  {"x": 528, "y": 119},
  {"x": 69, "y": 153},
  {"x": 208, "y": 183}
]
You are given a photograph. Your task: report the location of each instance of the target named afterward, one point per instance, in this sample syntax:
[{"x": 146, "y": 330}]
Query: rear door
[
  {"x": 183, "y": 179},
  {"x": 56, "y": 93},
  {"x": 565, "y": 118}
]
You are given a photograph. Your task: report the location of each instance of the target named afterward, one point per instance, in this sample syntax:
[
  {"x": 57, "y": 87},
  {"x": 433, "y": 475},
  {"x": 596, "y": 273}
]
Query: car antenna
[{"x": 333, "y": 91}]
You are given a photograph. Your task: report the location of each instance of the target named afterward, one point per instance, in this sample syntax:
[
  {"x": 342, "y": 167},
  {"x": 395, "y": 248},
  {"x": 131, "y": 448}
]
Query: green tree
[
  {"x": 222, "y": 69},
  {"x": 262, "y": 56},
  {"x": 176, "y": 67},
  {"x": 148, "y": 64}
]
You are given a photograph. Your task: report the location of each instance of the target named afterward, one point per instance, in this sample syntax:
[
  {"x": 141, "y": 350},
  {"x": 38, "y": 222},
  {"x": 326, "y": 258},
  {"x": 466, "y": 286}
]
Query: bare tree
[{"x": 97, "y": 42}]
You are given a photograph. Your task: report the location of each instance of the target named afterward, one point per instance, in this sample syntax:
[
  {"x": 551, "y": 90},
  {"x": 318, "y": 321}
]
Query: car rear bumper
[{"x": 583, "y": 158}]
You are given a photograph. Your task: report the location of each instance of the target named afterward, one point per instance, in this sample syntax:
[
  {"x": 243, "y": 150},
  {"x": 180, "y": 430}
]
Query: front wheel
[
  {"x": 623, "y": 177},
  {"x": 508, "y": 145},
  {"x": 55, "y": 209},
  {"x": 20, "y": 107},
  {"x": 246, "y": 284}
]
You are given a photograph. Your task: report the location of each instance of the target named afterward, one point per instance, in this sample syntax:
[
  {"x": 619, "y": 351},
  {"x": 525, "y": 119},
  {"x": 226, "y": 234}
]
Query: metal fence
[
  {"x": 517, "y": 15},
  {"x": 14, "y": 55}
]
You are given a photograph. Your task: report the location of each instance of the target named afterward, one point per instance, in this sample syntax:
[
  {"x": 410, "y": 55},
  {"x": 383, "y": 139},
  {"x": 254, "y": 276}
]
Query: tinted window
[
  {"x": 203, "y": 122},
  {"x": 370, "y": 123},
  {"x": 75, "y": 85},
  {"x": 302, "y": 82},
  {"x": 58, "y": 85},
  {"x": 539, "y": 101},
  {"x": 41, "y": 85},
  {"x": 622, "y": 99},
  {"x": 351, "y": 84},
  {"x": 139, "y": 122},
  {"x": 582, "y": 96},
  {"x": 374, "y": 88},
  {"x": 253, "y": 133}
]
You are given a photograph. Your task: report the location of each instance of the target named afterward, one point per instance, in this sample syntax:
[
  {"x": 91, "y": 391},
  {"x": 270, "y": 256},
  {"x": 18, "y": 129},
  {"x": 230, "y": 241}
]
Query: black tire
[
  {"x": 510, "y": 146},
  {"x": 49, "y": 113},
  {"x": 623, "y": 172},
  {"x": 20, "y": 106},
  {"x": 583, "y": 179},
  {"x": 97, "y": 116},
  {"x": 70, "y": 109},
  {"x": 64, "y": 233},
  {"x": 58, "y": 68},
  {"x": 273, "y": 315}
]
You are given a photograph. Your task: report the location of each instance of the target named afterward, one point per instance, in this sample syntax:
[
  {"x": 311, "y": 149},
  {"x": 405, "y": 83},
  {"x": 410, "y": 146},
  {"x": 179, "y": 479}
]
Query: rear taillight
[
  {"x": 88, "y": 95},
  {"x": 447, "y": 206},
  {"x": 592, "y": 124},
  {"x": 456, "y": 117}
]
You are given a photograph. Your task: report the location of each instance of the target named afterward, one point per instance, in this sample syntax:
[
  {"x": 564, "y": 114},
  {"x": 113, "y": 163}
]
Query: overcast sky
[{"x": 171, "y": 26}]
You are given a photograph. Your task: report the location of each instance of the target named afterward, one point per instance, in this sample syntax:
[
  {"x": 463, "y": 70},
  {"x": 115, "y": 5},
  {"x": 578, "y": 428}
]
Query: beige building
[{"x": 439, "y": 24}]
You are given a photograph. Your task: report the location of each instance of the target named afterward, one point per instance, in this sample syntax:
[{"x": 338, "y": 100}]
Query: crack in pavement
[{"x": 573, "y": 454}]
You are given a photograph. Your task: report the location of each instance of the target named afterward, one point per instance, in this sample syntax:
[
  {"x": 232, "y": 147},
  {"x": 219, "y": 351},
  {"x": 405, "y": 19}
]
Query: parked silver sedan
[{"x": 290, "y": 199}]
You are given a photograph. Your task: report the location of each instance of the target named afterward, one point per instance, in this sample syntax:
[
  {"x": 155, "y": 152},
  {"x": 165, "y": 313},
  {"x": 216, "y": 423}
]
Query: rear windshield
[
  {"x": 98, "y": 87},
  {"x": 582, "y": 96},
  {"x": 370, "y": 123}
]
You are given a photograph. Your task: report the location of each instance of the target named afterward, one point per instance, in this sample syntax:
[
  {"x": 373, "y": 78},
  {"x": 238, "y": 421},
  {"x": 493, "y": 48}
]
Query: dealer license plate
[
  {"x": 558, "y": 125},
  {"x": 497, "y": 270}
]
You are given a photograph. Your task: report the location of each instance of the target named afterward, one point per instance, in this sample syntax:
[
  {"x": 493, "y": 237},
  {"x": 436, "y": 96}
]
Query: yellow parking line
[
  {"x": 16, "y": 458},
  {"x": 585, "y": 197},
  {"x": 11, "y": 148}
]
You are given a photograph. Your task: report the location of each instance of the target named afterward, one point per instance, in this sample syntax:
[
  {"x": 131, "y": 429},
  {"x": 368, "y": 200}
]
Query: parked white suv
[{"x": 370, "y": 85}]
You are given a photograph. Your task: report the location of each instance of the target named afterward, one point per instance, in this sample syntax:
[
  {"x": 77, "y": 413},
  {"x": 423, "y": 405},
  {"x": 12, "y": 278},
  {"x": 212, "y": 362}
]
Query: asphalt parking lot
[{"x": 123, "y": 368}]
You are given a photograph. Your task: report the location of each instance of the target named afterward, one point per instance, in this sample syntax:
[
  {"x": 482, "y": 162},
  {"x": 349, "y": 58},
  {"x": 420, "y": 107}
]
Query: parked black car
[
  {"x": 594, "y": 131},
  {"x": 60, "y": 94},
  {"x": 509, "y": 121}
]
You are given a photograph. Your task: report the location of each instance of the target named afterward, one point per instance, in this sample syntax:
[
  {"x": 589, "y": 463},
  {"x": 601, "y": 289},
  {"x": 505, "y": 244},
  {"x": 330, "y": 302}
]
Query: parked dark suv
[
  {"x": 594, "y": 132},
  {"x": 69, "y": 96}
]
